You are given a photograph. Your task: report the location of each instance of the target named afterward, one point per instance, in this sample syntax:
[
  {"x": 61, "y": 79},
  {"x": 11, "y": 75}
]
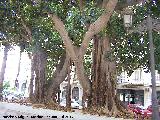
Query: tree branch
[
  {"x": 81, "y": 4},
  {"x": 104, "y": 3},
  {"x": 27, "y": 29},
  {"x": 25, "y": 36},
  {"x": 60, "y": 27},
  {"x": 121, "y": 5},
  {"x": 97, "y": 26},
  {"x": 60, "y": 77}
]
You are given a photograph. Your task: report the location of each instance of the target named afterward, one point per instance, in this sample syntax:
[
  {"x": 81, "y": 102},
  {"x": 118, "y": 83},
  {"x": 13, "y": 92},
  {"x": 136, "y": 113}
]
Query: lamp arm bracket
[{"x": 156, "y": 25}]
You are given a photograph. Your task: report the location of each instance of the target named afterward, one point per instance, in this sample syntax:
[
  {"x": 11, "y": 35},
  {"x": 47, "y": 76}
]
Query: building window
[
  {"x": 75, "y": 93},
  {"x": 137, "y": 75},
  {"x": 157, "y": 77},
  {"x": 23, "y": 87},
  {"x": 16, "y": 84},
  {"x": 64, "y": 94}
]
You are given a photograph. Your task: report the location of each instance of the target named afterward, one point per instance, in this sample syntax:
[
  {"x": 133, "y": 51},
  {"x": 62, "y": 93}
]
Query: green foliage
[
  {"x": 88, "y": 60},
  {"x": 50, "y": 68},
  {"x": 131, "y": 50},
  {"x": 77, "y": 22},
  {"x": 6, "y": 85}
]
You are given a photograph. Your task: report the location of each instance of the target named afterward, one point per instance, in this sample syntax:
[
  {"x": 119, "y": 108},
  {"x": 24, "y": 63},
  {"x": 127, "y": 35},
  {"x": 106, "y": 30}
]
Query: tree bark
[
  {"x": 6, "y": 49},
  {"x": 68, "y": 96},
  {"x": 78, "y": 61},
  {"x": 19, "y": 66},
  {"x": 104, "y": 99},
  {"x": 58, "y": 77},
  {"x": 94, "y": 28},
  {"x": 31, "y": 95},
  {"x": 97, "y": 26},
  {"x": 40, "y": 79},
  {"x": 96, "y": 70}
]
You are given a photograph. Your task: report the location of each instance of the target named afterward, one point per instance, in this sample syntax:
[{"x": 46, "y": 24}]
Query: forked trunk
[{"x": 93, "y": 29}]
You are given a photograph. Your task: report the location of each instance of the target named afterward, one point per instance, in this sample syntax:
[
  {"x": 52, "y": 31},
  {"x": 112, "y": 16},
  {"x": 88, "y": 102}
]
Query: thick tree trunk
[
  {"x": 68, "y": 96},
  {"x": 104, "y": 78},
  {"x": 104, "y": 99},
  {"x": 59, "y": 91},
  {"x": 19, "y": 65},
  {"x": 82, "y": 77},
  {"x": 58, "y": 77},
  {"x": 40, "y": 76},
  {"x": 31, "y": 95},
  {"x": 94, "y": 28},
  {"x": 96, "y": 72},
  {"x": 6, "y": 49}
]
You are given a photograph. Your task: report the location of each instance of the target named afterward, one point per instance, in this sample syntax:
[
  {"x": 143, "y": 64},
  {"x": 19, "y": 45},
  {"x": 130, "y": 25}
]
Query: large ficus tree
[
  {"x": 45, "y": 24},
  {"x": 104, "y": 78},
  {"x": 23, "y": 23}
]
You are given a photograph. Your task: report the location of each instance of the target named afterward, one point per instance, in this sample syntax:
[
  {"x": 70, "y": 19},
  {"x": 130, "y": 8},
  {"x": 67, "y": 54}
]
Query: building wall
[
  {"x": 147, "y": 96},
  {"x": 139, "y": 76},
  {"x": 74, "y": 83},
  {"x": 12, "y": 68}
]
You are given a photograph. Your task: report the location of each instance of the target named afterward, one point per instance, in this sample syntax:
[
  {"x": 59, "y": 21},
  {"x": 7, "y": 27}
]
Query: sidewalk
[{"x": 28, "y": 110}]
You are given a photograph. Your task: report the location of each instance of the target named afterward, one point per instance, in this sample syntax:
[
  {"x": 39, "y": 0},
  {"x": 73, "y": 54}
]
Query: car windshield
[{"x": 141, "y": 107}]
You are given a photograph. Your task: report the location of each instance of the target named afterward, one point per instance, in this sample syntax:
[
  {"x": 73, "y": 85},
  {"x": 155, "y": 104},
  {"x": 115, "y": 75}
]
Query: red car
[
  {"x": 149, "y": 108},
  {"x": 140, "y": 111},
  {"x": 145, "y": 113}
]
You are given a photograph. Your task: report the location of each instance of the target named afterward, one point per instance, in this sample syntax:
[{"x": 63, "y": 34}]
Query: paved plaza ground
[{"x": 13, "y": 111}]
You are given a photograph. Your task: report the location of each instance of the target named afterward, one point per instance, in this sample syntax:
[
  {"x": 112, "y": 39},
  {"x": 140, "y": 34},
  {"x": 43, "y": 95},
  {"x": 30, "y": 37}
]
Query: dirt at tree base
[{"x": 126, "y": 114}]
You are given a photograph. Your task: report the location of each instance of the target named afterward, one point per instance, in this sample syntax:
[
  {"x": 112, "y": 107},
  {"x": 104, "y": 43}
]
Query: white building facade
[
  {"x": 76, "y": 88},
  {"x": 137, "y": 88},
  {"x": 20, "y": 84}
]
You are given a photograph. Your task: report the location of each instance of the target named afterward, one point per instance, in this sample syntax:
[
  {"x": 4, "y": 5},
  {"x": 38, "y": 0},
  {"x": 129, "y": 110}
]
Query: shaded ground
[
  {"x": 14, "y": 115},
  {"x": 20, "y": 112}
]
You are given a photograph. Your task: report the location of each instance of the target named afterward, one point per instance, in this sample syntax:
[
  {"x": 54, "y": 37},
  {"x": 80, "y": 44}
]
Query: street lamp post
[
  {"x": 155, "y": 113},
  {"x": 149, "y": 25}
]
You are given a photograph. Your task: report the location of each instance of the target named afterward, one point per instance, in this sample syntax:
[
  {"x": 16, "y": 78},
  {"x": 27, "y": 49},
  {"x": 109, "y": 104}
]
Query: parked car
[
  {"x": 150, "y": 108},
  {"x": 143, "y": 111},
  {"x": 63, "y": 103},
  {"x": 80, "y": 104},
  {"x": 74, "y": 104},
  {"x": 132, "y": 106},
  {"x": 11, "y": 98},
  {"x": 139, "y": 110}
]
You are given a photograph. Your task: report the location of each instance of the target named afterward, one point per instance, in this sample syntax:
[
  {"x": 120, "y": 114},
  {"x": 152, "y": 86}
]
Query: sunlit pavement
[
  {"x": 14, "y": 115},
  {"x": 11, "y": 114},
  {"x": 12, "y": 111}
]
